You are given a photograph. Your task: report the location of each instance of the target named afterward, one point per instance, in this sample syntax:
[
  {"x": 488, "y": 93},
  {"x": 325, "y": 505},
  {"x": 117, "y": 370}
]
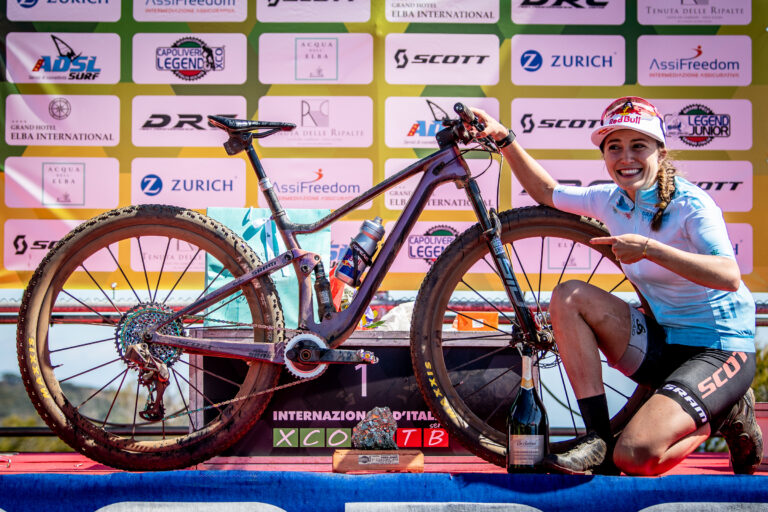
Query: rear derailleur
[{"x": 154, "y": 375}]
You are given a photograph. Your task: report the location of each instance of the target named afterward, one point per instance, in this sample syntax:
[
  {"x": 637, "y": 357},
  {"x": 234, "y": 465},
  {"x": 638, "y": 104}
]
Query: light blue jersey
[{"x": 691, "y": 314}]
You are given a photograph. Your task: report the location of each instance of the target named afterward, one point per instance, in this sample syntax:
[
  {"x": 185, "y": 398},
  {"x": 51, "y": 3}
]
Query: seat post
[{"x": 265, "y": 185}]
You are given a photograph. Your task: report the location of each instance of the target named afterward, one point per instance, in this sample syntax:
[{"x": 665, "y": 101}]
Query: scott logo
[
  {"x": 529, "y": 124},
  {"x": 402, "y": 60},
  {"x": 21, "y": 245},
  {"x": 729, "y": 369},
  {"x": 531, "y": 60},
  {"x": 151, "y": 184}
]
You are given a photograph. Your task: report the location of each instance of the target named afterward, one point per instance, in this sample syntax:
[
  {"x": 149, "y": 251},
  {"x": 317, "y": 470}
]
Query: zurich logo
[
  {"x": 27, "y": 3},
  {"x": 531, "y": 60},
  {"x": 151, "y": 184}
]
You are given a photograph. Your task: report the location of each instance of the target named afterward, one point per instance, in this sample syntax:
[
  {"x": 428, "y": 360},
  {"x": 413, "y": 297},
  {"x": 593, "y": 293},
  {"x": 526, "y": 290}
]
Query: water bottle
[
  {"x": 527, "y": 425},
  {"x": 359, "y": 253}
]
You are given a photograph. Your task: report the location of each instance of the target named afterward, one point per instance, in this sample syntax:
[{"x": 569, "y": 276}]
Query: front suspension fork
[{"x": 492, "y": 232}]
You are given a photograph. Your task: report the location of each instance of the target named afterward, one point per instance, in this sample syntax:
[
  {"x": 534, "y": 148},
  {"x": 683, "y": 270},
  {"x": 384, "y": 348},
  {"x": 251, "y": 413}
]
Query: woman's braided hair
[{"x": 665, "y": 179}]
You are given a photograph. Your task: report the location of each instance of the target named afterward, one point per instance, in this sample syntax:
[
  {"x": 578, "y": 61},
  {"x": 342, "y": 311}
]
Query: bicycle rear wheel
[
  {"x": 470, "y": 378},
  {"x": 90, "y": 300}
]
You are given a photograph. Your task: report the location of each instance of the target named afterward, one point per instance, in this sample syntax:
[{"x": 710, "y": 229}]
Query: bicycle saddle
[{"x": 245, "y": 125}]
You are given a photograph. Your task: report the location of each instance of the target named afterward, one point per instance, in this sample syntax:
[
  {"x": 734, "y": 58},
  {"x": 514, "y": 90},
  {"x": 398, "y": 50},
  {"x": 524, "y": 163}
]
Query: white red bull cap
[{"x": 633, "y": 113}]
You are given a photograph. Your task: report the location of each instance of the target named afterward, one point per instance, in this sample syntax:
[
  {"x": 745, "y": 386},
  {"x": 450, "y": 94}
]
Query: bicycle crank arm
[
  {"x": 271, "y": 352},
  {"x": 331, "y": 356}
]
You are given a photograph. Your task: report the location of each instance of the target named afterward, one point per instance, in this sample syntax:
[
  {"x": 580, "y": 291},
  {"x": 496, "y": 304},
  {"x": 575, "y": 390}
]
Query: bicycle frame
[{"x": 447, "y": 164}]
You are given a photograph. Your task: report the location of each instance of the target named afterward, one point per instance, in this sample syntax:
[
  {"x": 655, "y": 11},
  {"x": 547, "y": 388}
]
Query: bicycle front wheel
[
  {"x": 90, "y": 301},
  {"x": 463, "y": 346}
]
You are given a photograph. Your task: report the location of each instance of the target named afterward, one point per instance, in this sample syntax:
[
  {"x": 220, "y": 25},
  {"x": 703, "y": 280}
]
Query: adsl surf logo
[{"x": 77, "y": 65}]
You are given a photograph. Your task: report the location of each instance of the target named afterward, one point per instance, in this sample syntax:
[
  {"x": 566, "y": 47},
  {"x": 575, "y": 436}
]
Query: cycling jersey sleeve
[
  {"x": 705, "y": 227},
  {"x": 588, "y": 201}
]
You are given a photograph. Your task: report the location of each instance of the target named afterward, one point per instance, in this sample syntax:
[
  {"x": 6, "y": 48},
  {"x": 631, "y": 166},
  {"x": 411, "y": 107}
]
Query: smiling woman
[{"x": 671, "y": 241}]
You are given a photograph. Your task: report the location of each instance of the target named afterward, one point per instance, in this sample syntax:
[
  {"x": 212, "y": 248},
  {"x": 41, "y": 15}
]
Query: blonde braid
[{"x": 665, "y": 178}]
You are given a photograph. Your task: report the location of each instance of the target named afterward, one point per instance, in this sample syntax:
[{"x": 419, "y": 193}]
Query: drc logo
[
  {"x": 151, "y": 184},
  {"x": 531, "y": 60}
]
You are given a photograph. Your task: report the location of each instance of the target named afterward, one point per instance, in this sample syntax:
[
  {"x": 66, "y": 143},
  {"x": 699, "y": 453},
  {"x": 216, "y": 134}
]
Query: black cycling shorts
[{"x": 706, "y": 382}]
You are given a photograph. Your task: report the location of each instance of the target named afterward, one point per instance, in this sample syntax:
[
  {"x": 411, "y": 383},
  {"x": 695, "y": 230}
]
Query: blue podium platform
[{"x": 293, "y": 491}]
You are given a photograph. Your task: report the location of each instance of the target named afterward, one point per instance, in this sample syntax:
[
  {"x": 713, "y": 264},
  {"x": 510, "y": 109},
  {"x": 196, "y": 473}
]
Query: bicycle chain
[{"x": 257, "y": 393}]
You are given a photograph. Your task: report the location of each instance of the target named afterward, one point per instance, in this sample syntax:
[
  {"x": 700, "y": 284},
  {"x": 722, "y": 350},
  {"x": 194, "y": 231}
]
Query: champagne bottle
[{"x": 527, "y": 425}]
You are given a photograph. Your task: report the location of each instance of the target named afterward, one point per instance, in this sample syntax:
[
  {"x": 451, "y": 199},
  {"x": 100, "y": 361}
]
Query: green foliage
[{"x": 760, "y": 383}]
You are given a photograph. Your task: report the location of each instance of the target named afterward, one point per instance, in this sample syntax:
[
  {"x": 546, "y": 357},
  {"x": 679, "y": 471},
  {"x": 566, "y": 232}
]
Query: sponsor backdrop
[{"x": 104, "y": 104}]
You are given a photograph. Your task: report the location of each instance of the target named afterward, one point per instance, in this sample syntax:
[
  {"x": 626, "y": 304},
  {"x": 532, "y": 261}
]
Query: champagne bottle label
[
  {"x": 526, "y": 379},
  {"x": 525, "y": 450}
]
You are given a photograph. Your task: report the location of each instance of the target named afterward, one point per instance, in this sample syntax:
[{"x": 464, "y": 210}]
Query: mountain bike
[{"x": 177, "y": 382}]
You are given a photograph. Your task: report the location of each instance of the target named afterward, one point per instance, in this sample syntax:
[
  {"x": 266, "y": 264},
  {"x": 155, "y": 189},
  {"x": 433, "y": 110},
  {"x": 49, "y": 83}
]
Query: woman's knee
[
  {"x": 566, "y": 296},
  {"x": 635, "y": 457}
]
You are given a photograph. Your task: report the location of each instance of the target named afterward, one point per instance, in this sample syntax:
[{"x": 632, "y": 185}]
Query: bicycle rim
[{"x": 469, "y": 378}]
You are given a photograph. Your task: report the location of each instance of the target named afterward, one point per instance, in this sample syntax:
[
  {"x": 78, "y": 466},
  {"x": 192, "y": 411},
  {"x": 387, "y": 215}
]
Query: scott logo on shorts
[{"x": 729, "y": 369}]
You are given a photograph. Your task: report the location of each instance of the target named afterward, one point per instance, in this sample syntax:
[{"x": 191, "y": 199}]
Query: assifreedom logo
[
  {"x": 189, "y": 58},
  {"x": 313, "y": 187},
  {"x": 694, "y": 60},
  {"x": 568, "y": 60},
  {"x": 697, "y": 125},
  {"x": 190, "y": 10},
  {"x": 439, "y": 59}
]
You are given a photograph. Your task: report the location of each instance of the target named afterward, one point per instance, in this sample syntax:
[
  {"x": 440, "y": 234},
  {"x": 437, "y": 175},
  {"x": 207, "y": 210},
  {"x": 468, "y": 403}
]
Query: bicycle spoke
[
  {"x": 487, "y": 301},
  {"x": 117, "y": 394},
  {"x": 192, "y": 386},
  {"x": 476, "y": 320},
  {"x": 567, "y": 259},
  {"x": 87, "y": 306},
  {"x": 135, "y": 410},
  {"x": 120, "y": 268},
  {"x": 525, "y": 275},
  {"x": 184, "y": 400},
  {"x": 162, "y": 267},
  {"x": 567, "y": 398},
  {"x": 104, "y": 293},
  {"x": 205, "y": 290},
  {"x": 478, "y": 358},
  {"x": 144, "y": 267},
  {"x": 208, "y": 372},
  {"x": 456, "y": 385},
  {"x": 619, "y": 284},
  {"x": 122, "y": 372},
  {"x": 209, "y": 313},
  {"x": 181, "y": 276},
  {"x": 81, "y": 345},
  {"x": 595, "y": 269},
  {"x": 499, "y": 404},
  {"x": 90, "y": 370}
]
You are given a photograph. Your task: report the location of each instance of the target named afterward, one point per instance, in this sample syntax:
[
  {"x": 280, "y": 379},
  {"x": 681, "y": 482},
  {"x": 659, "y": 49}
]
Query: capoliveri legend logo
[{"x": 189, "y": 58}]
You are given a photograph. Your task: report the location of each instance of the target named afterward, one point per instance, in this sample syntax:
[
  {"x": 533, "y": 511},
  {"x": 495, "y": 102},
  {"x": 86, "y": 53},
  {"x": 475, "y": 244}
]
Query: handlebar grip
[{"x": 466, "y": 115}]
